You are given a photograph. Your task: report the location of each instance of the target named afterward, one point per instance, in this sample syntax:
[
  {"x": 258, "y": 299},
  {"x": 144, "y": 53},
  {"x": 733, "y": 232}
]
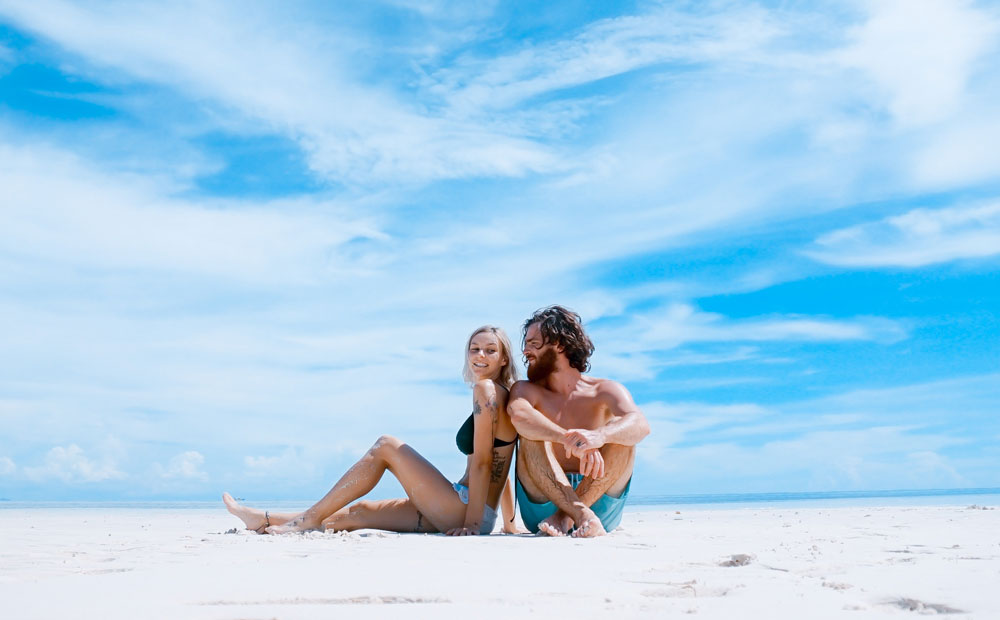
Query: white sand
[{"x": 805, "y": 563}]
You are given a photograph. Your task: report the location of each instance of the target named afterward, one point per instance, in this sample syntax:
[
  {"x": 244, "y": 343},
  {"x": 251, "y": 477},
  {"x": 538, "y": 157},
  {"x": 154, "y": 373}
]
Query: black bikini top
[{"x": 465, "y": 434}]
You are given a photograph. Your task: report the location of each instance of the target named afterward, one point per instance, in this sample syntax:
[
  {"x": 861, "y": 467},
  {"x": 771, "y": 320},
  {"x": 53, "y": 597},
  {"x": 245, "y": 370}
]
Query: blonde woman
[{"x": 433, "y": 503}]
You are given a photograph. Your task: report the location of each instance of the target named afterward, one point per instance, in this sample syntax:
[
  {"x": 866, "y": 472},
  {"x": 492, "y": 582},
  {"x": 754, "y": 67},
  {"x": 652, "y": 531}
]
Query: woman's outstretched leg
[
  {"x": 393, "y": 515},
  {"x": 430, "y": 491},
  {"x": 254, "y": 518}
]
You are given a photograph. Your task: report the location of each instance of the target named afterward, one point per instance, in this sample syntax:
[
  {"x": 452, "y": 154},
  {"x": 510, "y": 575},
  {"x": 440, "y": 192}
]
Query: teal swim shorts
[{"x": 608, "y": 509}]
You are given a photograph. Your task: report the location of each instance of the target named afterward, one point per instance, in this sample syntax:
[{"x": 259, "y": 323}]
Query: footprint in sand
[
  {"x": 912, "y": 604},
  {"x": 739, "y": 559},
  {"x": 833, "y": 585}
]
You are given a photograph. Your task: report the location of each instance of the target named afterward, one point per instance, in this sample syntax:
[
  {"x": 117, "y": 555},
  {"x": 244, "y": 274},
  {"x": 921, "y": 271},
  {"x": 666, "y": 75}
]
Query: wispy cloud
[
  {"x": 959, "y": 153},
  {"x": 679, "y": 323},
  {"x": 70, "y": 464},
  {"x": 861, "y": 439},
  {"x": 183, "y": 466},
  {"x": 920, "y": 55},
  {"x": 649, "y": 341},
  {"x": 915, "y": 239},
  {"x": 603, "y": 49},
  {"x": 58, "y": 208},
  {"x": 131, "y": 295},
  {"x": 299, "y": 85},
  {"x": 7, "y": 466},
  {"x": 875, "y": 457},
  {"x": 7, "y": 57}
]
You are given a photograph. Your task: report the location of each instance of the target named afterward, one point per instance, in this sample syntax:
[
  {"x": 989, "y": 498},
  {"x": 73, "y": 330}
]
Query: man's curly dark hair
[{"x": 563, "y": 328}]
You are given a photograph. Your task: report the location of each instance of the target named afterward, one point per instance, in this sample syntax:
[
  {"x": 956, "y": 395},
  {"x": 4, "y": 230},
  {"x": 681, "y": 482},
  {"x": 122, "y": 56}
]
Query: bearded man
[{"x": 577, "y": 433}]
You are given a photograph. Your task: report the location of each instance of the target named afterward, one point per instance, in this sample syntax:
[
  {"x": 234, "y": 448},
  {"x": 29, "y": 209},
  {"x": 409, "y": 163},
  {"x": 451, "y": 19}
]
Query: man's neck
[{"x": 563, "y": 381}]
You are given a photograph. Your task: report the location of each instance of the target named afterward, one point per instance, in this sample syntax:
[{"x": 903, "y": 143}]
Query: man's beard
[{"x": 545, "y": 365}]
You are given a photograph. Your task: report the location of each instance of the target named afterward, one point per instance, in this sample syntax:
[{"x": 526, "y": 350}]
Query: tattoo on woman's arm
[{"x": 496, "y": 469}]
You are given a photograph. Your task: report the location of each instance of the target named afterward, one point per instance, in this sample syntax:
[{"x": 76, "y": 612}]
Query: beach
[{"x": 772, "y": 562}]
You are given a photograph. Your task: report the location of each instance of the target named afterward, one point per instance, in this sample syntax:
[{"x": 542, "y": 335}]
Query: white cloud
[
  {"x": 70, "y": 465},
  {"x": 7, "y": 57},
  {"x": 303, "y": 85},
  {"x": 673, "y": 422},
  {"x": 183, "y": 466},
  {"x": 291, "y": 462},
  {"x": 56, "y": 207},
  {"x": 680, "y": 323},
  {"x": 921, "y": 53},
  {"x": 7, "y": 466},
  {"x": 906, "y": 436},
  {"x": 605, "y": 48},
  {"x": 917, "y": 238},
  {"x": 132, "y": 304},
  {"x": 959, "y": 153},
  {"x": 844, "y": 459}
]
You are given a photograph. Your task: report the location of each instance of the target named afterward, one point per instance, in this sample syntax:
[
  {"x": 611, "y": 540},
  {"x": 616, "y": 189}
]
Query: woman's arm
[{"x": 485, "y": 411}]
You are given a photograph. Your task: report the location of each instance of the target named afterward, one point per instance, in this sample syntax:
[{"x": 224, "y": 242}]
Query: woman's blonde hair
[{"x": 508, "y": 372}]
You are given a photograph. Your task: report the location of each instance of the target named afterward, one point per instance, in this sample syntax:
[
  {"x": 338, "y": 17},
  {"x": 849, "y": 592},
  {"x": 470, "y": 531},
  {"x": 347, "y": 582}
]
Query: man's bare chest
[{"x": 574, "y": 411}]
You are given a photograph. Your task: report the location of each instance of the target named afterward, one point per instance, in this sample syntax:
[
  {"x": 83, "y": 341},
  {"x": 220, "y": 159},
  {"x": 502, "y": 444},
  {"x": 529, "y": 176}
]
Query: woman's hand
[{"x": 463, "y": 531}]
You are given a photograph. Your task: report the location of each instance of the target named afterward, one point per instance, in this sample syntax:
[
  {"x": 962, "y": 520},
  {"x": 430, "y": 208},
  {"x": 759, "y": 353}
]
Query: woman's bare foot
[
  {"x": 556, "y": 525},
  {"x": 301, "y": 523},
  {"x": 251, "y": 517}
]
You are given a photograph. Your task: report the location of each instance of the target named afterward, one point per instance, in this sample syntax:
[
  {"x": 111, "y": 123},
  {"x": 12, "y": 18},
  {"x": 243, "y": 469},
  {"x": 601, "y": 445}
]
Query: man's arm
[
  {"x": 627, "y": 427},
  {"x": 530, "y": 422}
]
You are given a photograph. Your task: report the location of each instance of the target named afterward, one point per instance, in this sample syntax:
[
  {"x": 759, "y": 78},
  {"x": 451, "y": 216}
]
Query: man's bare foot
[
  {"x": 251, "y": 517},
  {"x": 590, "y": 526},
  {"x": 301, "y": 523},
  {"x": 556, "y": 525}
]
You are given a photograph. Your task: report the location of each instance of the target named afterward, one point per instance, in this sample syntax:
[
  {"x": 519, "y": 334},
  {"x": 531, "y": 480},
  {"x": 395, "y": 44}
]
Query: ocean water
[
  {"x": 824, "y": 499},
  {"x": 806, "y": 499}
]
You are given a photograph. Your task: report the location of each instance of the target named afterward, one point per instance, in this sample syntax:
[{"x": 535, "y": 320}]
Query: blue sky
[{"x": 238, "y": 244}]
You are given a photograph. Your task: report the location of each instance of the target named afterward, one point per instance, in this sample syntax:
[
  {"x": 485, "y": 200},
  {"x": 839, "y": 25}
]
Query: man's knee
[
  {"x": 618, "y": 463},
  {"x": 529, "y": 446},
  {"x": 617, "y": 454},
  {"x": 533, "y": 456}
]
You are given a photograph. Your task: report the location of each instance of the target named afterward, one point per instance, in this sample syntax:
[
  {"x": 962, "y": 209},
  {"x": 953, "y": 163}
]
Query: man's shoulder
[
  {"x": 523, "y": 388},
  {"x": 603, "y": 385},
  {"x": 609, "y": 389}
]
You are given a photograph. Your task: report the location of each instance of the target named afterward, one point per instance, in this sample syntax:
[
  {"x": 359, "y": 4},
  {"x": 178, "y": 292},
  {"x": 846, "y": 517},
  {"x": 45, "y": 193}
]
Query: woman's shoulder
[
  {"x": 485, "y": 386},
  {"x": 490, "y": 389}
]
